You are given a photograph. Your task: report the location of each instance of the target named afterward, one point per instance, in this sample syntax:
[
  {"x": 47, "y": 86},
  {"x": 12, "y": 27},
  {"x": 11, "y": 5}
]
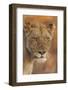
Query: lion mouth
[
  {"x": 41, "y": 56},
  {"x": 38, "y": 56}
]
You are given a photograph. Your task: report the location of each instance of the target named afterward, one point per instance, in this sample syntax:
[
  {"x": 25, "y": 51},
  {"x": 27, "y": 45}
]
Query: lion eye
[
  {"x": 47, "y": 38},
  {"x": 34, "y": 37},
  {"x": 33, "y": 26}
]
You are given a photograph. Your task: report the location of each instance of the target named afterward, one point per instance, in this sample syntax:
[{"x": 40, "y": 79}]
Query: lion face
[{"x": 38, "y": 37}]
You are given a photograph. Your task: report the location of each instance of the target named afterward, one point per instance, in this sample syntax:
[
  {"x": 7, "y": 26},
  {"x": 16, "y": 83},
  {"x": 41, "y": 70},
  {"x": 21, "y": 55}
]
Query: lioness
[{"x": 39, "y": 44}]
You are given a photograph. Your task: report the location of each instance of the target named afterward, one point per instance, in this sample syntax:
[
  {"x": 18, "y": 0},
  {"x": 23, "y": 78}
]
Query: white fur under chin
[{"x": 40, "y": 60}]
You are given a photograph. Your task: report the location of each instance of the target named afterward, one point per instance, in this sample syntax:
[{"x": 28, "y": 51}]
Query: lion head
[{"x": 38, "y": 37}]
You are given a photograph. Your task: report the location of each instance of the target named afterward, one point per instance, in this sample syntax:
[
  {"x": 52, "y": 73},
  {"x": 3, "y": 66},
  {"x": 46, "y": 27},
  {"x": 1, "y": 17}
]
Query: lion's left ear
[{"x": 51, "y": 28}]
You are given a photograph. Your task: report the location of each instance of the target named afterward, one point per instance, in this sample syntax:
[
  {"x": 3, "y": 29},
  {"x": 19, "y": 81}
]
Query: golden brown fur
[{"x": 40, "y": 42}]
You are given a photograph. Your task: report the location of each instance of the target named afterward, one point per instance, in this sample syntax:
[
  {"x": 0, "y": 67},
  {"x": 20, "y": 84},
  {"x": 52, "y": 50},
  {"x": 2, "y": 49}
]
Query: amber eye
[
  {"x": 47, "y": 38},
  {"x": 33, "y": 26},
  {"x": 34, "y": 38}
]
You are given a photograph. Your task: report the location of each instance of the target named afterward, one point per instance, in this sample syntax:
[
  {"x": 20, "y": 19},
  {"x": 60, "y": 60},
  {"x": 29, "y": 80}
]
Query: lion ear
[
  {"x": 26, "y": 27},
  {"x": 51, "y": 28}
]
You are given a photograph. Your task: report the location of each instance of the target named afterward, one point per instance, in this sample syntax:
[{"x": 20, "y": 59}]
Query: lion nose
[{"x": 42, "y": 52}]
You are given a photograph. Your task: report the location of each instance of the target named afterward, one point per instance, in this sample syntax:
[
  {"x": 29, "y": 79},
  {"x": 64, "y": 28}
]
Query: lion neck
[{"x": 28, "y": 63}]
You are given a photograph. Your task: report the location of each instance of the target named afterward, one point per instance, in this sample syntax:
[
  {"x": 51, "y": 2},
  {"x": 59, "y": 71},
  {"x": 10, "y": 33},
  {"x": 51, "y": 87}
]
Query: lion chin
[{"x": 40, "y": 58}]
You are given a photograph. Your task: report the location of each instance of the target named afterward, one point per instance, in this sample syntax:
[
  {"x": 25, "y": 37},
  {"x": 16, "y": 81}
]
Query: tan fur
[
  {"x": 27, "y": 63},
  {"x": 39, "y": 32}
]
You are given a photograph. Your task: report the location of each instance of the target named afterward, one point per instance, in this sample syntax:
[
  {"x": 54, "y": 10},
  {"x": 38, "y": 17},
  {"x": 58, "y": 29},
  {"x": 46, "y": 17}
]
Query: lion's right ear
[{"x": 26, "y": 28}]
